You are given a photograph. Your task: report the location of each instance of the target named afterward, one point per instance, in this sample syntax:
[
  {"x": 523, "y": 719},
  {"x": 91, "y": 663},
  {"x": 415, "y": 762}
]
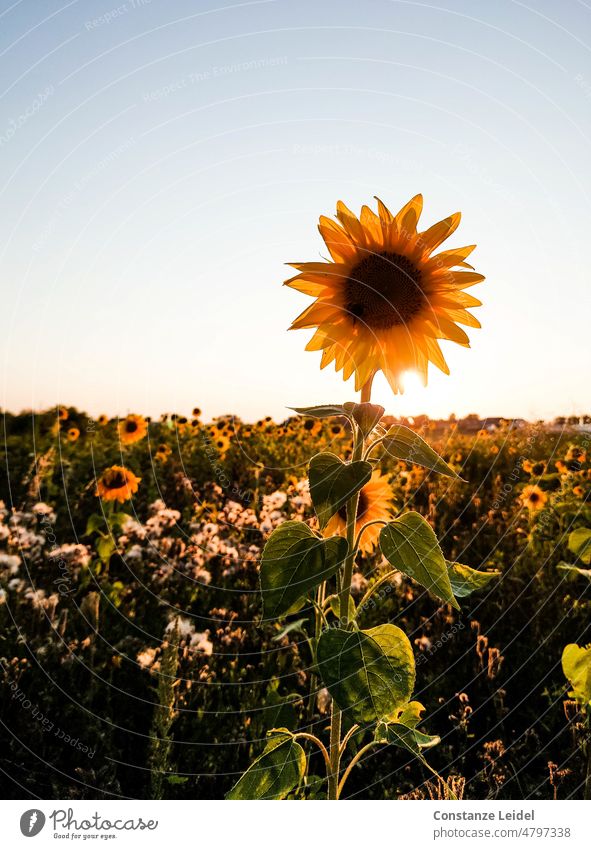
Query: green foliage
[
  {"x": 333, "y": 483},
  {"x": 404, "y": 444},
  {"x": 579, "y": 542},
  {"x": 464, "y": 580},
  {"x": 576, "y": 665},
  {"x": 322, "y": 411},
  {"x": 275, "y": 773},
  {"x": 295, "y": 561},
  {"x": 370, "y": 674},
  {"x": 409, "y": 544},
  {"x": 366, "y": 415}
]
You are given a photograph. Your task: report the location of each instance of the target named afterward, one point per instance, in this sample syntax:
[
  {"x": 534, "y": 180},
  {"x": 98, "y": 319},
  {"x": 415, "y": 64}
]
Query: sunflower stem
[
  {"x": 335, "y": 750},
  {"x": 366, "y": 390}
]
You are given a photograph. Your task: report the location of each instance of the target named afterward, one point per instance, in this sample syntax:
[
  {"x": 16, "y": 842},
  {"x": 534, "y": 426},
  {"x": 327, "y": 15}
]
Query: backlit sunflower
[
  {"x": 384, "y": 301},
  {"x": 62, "y": 414},
  {"x": 533, "y": 498},
  {"x": 103, "y": 420},
  {"x": 117, "y": 484},
  {"x": 73, "y": 434},
  {"x": 375, "y": 502},
  {"x": 132, "y": 429}
]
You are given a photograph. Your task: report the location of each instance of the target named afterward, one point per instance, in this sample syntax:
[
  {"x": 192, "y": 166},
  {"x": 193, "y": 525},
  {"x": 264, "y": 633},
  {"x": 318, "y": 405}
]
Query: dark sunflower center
[
  {"x": 534, "y": 497},
  {"x": 384, "y": 290},
  {"x": 362, "y": 507},
  {"x": 131, "y": 427},
  {"x": 114, "y": 480}
]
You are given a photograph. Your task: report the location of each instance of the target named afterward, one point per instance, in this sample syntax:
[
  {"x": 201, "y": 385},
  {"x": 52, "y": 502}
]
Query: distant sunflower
[
  {"x": 222, "y": 443},
  {"x": 533, "y": 498},
  {"x": 375, "y": 502},
  {"x": 196, "y": 412},
  {"x": 383, "y": 301},
  {"x": 62, "y": 414},
  {"x": 102, "y": 420},
  {"x": 163, "y": 452},
  {"x": 117, "y": 484},
  {"x": 336, "y": 431},
  {"x": 132, "y": 429},
  {"x": 73, "y": 434}
]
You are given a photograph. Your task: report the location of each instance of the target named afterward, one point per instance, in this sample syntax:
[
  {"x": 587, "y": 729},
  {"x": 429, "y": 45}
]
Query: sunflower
[
  {"x": 103, "y": 420},
  {"x": 375, "y": 502},
  {"x": 384, "y": 301},
  {"x": 117, "y": 484},
  {"x": 575, "y": 454},
  {"x": 62, "y": 414},
  {"x": 73, "y": 434},
  {"x": 336, "y": 430},
  {"x": 196, "y": 412},
  {"x": 533, "y": 498},
  {"x": 163, "y": 452},
  {"x": 221, "y": 442},
  {"x": 132, "y": 429}
]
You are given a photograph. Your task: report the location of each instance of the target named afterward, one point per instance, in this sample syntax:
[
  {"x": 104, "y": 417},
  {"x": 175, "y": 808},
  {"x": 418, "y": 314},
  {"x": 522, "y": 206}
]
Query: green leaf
[
  {"x": 177, "y": 779},
  {"x": 333, "y": 483},
  {"x": 576, "y": 665},
  {"x": 274, "y": 773},
  {"x": 366, "y": 415},
  {"x": 295, "y": 561},
  {"x": 410, "y": 544},
  {"x": 407, "y": 738},
  {"x": 401, "y": 731},
  {"x": 105, "y": 548},
  {"x": 464, "y": 580},
  {"x": 567, "y": 567},
  {"x": 118, "y": 520},
  {"x": 323, "y": 411},
  {"x": 297, "y": 626},
  {"x": 94, "y": 523},
  {"x": 404, "y": 444},
  {"x": 369, "y": 674},
  {"x": 579, "y": 542},
  {"x": 335, "y": 606}
]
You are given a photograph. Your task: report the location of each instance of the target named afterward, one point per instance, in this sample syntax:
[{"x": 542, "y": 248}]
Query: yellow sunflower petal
[
  {"x": 407, "y": 218},
  {"x": 438, "y": 233},
  {"x": 341, "y": 248}
]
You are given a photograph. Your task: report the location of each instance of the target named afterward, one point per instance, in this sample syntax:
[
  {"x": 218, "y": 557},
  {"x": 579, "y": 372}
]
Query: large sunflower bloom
[
  {"x": 132, "y": 429},
  {"x": 375, "y": 502},
  {"x": 117, "y": 484},
  {"x": 383, "y": 302}
]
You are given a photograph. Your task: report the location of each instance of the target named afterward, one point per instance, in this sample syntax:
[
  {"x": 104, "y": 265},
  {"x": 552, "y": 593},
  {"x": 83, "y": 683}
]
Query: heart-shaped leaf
[
  {"x": 295, "y": 561},
  {"x": 333, "y": 483},
  {"x": 404, "y": 444},
  {"x": 369, "y": 674},
  {"x": 409, "y": 544},
  {"x": 274, "y": 773},
  {"x": 576, "y": 665},
  {"x": 464, "y": 580}
]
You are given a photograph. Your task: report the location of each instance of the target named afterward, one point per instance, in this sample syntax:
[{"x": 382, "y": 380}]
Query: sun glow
[{"x": 416, "y": 399}]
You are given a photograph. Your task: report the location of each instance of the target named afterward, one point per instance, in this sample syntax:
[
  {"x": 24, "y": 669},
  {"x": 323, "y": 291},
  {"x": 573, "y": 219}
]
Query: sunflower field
[{"x": 139, "y": 661}]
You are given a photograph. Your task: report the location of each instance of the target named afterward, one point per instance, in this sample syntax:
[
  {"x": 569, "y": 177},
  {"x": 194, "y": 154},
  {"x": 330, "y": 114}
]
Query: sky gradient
[{"x": 160, "y": 162}]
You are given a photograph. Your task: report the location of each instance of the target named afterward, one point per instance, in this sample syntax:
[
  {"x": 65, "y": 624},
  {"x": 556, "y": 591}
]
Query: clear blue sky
[{"x": 161, "y": 161}]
